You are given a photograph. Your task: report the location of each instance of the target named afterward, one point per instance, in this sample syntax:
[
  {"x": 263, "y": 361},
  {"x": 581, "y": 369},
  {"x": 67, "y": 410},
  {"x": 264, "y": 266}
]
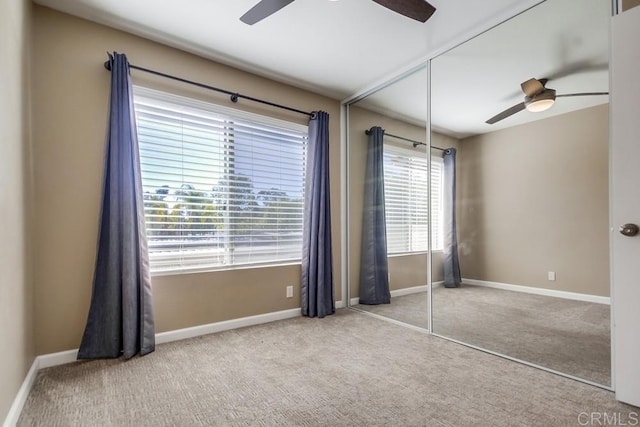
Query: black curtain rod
[
  {"x": 234, "y": 96},
  {"x": 415, "y": 143}
]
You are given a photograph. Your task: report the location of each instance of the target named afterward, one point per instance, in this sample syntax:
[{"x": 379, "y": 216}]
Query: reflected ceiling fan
[
  {"x": 537, "y": 98},
  {"x": 419, "y": 10}
]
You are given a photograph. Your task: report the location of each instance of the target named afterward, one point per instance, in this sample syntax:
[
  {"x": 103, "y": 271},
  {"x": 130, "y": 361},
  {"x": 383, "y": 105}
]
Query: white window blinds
[
  {"x": 222, "y": 187},
  {"x": 406, "y": 200}
]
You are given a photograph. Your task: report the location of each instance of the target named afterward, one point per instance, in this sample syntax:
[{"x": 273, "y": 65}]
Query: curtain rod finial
[{"x": 107, "y": 65}]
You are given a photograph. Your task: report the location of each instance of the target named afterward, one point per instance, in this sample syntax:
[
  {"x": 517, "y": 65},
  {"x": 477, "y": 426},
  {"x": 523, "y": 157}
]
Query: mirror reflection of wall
[
  {"x": 532, "y": 189},
  {"x": 628, "y": 4}
]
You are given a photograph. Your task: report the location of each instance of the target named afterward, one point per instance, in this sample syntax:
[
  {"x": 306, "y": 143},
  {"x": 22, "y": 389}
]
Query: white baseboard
[
  {"x": 70, "y": 356},
  {"x": 18, "y": 403},
  {"x": 404, "y": 291},
  {"x": 55, "y": 359},
  {"x": 539, "y": 291},
  {"x": 408, "y": 291},
  {"x": 211, "y": 328}
]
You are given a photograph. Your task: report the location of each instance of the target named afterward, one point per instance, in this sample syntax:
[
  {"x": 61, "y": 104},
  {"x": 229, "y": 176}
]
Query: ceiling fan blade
[
  {"x": 419, "y": 10},
  {"x": 506, "y": 113},
  {"x": 582, "y": 94},
  {"x": 263, "y": 9},
  {"x": 570, "y": 69},
  {"x": 532, "y": 87},
  {"x": 578, "y": 67}
]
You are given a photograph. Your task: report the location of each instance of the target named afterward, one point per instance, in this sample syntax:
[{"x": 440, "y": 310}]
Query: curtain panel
[
  {"x": 120, "y": 320},
  {"x": 317, "y": 293}
]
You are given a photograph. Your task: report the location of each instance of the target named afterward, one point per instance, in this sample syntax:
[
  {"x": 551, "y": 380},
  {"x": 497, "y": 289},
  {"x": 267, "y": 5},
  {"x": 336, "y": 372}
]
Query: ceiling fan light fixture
[
  {"x": 540, "y": 102},
  {"x": 540, "y": 105}
]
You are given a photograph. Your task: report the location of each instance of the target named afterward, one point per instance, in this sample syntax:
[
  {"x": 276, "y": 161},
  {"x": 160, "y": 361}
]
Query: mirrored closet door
[
  {"x": 388, "y": 201},
  {"x": 523, "y": 268}
]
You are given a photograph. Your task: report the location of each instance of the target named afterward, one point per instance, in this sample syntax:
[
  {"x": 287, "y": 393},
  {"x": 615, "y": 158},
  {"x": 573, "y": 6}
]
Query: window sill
[
  {"x": 196, "y": 270},
  {"x": 414, "y": 253}
]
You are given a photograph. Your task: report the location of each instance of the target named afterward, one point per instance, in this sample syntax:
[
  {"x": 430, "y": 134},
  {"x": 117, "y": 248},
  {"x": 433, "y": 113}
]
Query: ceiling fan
[
  {"x": 537, "y": 98},
  {"x": 419, "y": 10}
]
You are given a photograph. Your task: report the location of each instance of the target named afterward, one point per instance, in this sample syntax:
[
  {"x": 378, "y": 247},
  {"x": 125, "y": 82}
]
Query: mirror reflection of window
[{"x": 406, "y": 176}]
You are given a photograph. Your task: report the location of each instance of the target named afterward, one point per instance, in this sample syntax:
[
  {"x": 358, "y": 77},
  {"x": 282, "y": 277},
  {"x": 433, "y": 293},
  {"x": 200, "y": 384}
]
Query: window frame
[
  {"x": 170, "y": 99},
  {"x": 398, "y": 150}
]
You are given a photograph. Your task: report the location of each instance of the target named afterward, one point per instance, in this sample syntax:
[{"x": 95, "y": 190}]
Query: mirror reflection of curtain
[
  {"x": 374, "y": 270},
  {"x": 452, "y": 278}
]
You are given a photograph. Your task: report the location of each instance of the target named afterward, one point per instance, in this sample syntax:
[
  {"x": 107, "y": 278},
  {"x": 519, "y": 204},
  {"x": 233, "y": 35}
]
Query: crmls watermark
[{"x": 608, "y": 419}]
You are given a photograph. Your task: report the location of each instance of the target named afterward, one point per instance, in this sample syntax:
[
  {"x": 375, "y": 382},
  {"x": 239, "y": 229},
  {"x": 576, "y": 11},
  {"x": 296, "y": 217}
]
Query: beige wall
[
  {"x": 534, "y": 198},
  {"x": 16, "y": 305},
  {"x": 629, "y": 4},
  {"x": 405, "y": 271},
  {"x": 70, "y": 89}
]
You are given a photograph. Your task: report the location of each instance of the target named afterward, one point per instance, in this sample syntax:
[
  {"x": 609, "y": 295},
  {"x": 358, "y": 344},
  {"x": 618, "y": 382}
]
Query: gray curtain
[
  {"x": 120, "y": 320},
  {"x": 451, "y": 263},
  {"x": 317, "y": 298},
  {"x": 374, "y": 270}
]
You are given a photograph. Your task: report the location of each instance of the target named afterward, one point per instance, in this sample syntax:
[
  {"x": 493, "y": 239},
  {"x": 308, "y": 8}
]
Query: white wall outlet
[
  {"x": 289, "y": 291},
  {"x": 551, "y": 275}
]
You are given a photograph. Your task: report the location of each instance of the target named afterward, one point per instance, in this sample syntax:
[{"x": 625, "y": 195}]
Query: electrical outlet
[
  {"x": 289, "y": 291},
  {"x": 551, "y": 275}
]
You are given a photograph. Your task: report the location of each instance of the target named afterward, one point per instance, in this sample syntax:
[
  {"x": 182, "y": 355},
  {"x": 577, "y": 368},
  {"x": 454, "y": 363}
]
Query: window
[
  {"x": 221, "y": 187},
  {"x": 406, "y": 203}
]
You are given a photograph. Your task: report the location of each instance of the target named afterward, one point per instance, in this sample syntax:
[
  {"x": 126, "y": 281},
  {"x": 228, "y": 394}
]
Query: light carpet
[
  {"x": 348, "y": 369},
  {"x": 561, "y": 334}
]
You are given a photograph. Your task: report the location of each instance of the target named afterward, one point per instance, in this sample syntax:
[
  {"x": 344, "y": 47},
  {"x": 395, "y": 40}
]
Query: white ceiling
[
  {"x": 335, "y": 48},
  {"x": 482, "y": 77}
]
